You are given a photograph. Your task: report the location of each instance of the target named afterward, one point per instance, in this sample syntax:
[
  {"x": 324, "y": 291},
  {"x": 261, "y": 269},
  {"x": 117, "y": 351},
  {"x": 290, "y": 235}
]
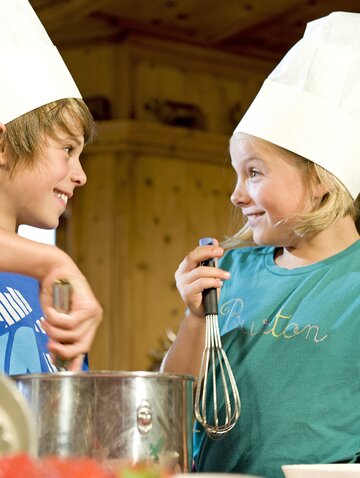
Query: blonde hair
[
  {"x": 23, "y": 138},
  {"x": 333, "y": 205}
]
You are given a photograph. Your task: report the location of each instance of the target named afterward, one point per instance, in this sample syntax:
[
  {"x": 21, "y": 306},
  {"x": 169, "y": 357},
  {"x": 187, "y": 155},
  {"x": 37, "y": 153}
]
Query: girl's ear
[{"x": 320, "y": 190}]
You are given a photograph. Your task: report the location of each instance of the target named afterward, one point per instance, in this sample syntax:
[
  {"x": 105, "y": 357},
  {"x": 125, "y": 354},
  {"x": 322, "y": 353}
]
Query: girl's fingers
[
  {"x": 192, "y": 278},
  {"x": 207, "y": 272},
  {"x": 199, "y": 279},
  {"x": 201, "y": 253},
  {"x": 198, "y": 286}
]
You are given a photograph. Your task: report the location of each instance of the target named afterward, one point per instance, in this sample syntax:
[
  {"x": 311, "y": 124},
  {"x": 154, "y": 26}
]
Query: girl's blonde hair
[
  {"x": 23, "y": 138},
  {"x": 333, "y": 205}
]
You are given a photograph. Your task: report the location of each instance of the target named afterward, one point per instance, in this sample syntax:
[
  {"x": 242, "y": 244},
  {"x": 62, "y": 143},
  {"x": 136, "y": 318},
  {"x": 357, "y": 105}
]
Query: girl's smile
[{"x": 252, "y": 217}]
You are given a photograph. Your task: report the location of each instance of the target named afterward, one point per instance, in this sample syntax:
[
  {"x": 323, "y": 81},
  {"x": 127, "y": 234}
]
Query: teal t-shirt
[{"x": 293, "y": 341}]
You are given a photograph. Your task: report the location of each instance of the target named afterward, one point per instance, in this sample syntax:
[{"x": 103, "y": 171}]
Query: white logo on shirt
[{"x": 13, "y": 306}]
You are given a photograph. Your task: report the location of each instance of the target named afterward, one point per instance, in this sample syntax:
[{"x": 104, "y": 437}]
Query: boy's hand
[{"x": 70, "y": 335}]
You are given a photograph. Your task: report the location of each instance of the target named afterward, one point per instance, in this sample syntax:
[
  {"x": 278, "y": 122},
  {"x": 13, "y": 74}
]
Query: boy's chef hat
[
  {"x": 32, "y": 71},
  {"x": 310, "y": 103}
]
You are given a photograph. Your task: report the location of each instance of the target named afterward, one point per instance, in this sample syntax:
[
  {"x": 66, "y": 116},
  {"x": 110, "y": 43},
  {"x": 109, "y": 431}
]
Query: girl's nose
[{"x": 240, "y": 197}]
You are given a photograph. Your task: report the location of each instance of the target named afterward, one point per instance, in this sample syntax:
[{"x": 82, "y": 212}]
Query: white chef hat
[
  {"x": 32, "y": 71},
  {"x": 310, "y": 103}
]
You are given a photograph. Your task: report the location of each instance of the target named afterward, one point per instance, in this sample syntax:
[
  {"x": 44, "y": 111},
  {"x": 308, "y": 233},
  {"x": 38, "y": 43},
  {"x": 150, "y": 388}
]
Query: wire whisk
[{"x": 215, "y": 373}]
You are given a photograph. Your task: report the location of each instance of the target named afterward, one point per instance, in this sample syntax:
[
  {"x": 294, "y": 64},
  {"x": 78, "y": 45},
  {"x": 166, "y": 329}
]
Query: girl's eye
[{"x": 253, "y": 173}]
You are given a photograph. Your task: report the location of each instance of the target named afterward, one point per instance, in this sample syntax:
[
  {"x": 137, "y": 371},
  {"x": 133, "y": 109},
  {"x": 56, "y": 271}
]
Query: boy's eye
[{"x": 68, "y": 149}]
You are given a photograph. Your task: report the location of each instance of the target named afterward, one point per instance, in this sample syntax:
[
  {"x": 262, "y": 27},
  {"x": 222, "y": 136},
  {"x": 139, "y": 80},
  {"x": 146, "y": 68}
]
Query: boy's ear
[{"x": 2, "y": 144}]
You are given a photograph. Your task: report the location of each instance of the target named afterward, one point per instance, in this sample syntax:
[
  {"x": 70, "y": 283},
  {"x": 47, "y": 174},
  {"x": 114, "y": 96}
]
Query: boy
[{"x": 44, "y": 125}]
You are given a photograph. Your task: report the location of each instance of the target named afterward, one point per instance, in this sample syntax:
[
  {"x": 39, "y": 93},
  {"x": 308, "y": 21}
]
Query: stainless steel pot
[{"x": 134, "y": 416}]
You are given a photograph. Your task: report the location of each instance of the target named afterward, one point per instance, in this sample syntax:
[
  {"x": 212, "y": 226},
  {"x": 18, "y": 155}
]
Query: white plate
[
  {"x": 17, "y": 424},
  {"x": 346, "y": 470}
]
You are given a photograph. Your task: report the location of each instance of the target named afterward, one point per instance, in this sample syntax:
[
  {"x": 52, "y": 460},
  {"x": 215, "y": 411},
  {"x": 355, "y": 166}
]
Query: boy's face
[
  {"x": 37, "y": 196},
  {"x": 270, "y": 191}
]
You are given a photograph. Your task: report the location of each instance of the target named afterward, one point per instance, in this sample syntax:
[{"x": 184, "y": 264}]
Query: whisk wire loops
[{"x": 213, "y": 358}]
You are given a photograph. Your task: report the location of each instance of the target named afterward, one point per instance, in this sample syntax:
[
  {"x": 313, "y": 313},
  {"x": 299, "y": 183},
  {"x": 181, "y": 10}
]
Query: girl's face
[
  {"x": 270, "y": 190},
  {"x": 37, "y": 196}
]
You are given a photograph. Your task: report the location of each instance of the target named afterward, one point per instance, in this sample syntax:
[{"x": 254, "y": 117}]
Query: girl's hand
[{"x": 192, "y": 279}]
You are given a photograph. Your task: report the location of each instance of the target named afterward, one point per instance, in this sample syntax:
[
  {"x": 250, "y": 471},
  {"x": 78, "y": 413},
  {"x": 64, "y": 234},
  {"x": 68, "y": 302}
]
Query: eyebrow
[
  {"x": 249, "y": 158},
  {"x": 72, "y": 138}
]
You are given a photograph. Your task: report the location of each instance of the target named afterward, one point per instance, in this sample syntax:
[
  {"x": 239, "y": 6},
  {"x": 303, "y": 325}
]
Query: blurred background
[{"x": 167, "y": 82}]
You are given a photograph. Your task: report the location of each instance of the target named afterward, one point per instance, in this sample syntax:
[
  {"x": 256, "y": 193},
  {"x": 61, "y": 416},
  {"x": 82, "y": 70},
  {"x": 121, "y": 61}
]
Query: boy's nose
[{"x": 78, "y": 176}]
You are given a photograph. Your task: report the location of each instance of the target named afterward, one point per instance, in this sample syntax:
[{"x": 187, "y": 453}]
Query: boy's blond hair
[
  {"x": 336, "y": 202},
  {"x": 23, "y": 138}
]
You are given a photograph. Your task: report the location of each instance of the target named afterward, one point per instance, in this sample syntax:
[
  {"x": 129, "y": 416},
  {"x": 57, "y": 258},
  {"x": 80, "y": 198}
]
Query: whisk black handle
[{"x": 209, "y": 295}]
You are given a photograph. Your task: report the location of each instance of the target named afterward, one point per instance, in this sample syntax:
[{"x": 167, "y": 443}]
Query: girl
[{"x": 289, "y": 306}]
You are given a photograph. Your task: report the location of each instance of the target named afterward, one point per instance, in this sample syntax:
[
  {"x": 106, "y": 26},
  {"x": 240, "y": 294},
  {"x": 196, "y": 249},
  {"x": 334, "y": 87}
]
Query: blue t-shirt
[
  {"x": 23, "y": 342},
  {"x": 293, "y": 340}
]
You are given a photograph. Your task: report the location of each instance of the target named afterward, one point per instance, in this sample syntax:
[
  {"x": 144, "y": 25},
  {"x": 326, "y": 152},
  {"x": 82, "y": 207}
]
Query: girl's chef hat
[
  {"x": 32, "y": 71},
  {"x": 310, "y": 103}
]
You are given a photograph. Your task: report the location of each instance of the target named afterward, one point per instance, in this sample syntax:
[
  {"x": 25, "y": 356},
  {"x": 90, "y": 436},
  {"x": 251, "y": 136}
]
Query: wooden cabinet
[
  {"x": 132, "y": 73},
  {"x": 153, "y": 190}
]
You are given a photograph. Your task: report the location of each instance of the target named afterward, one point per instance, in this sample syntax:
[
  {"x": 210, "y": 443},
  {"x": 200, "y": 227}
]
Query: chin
[
  {"x": 262, "y": 240},
  {"x": 46, "y": 225}
]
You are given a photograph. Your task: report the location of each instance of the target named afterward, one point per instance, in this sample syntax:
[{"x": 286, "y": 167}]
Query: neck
[{"x": 338, "y": 237}]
